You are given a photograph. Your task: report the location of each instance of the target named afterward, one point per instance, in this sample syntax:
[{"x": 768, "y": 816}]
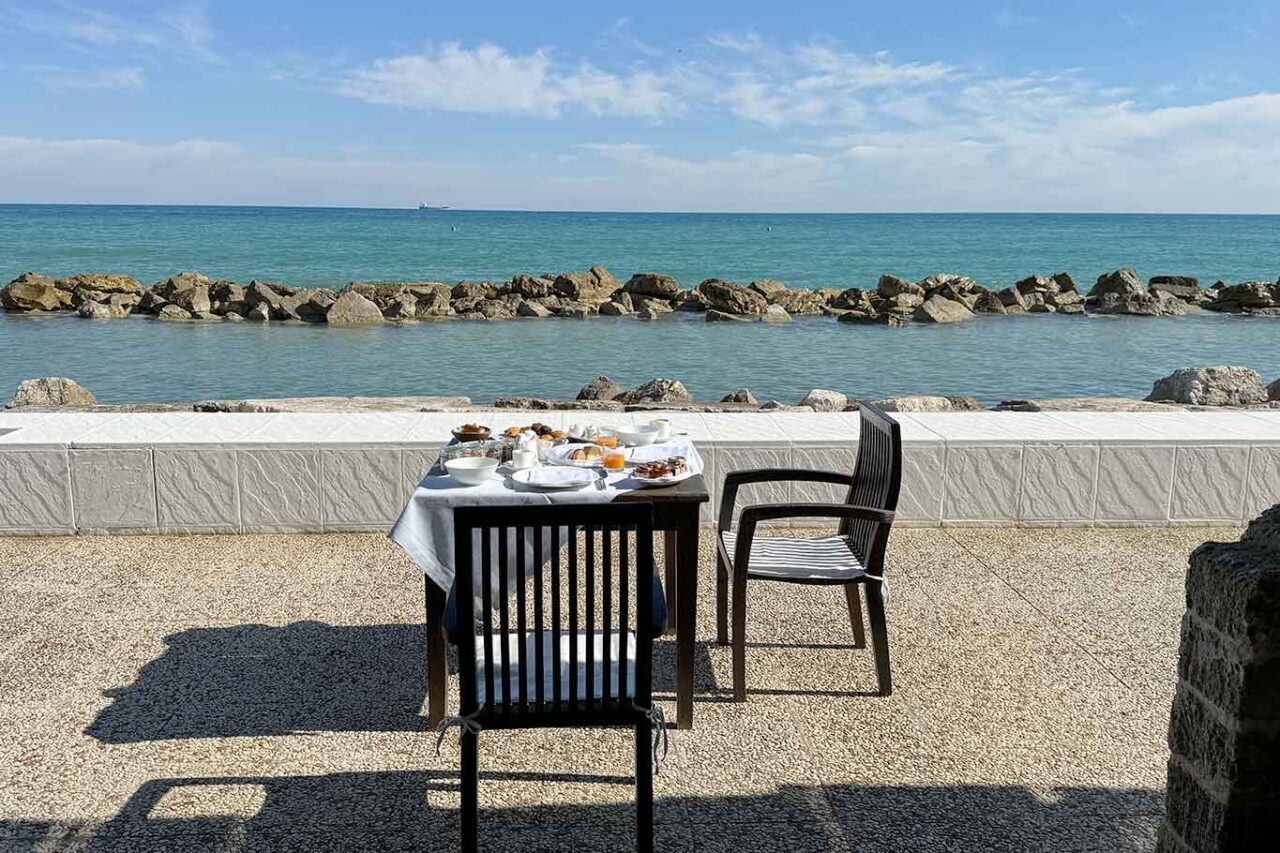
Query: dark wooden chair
[
  {"x": 565, "y": 614},
  {"x": 853, "y": 557}
]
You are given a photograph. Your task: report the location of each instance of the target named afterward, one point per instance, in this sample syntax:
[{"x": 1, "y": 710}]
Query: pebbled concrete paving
[{"x": 264, "y": 693}]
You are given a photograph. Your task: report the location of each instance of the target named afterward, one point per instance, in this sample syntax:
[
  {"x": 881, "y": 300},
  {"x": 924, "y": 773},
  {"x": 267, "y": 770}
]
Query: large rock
[
  {"x": 1247, "y": 298},
  {"x": 601, "y": 388},
  {"x": 101, "y": 282},
  {"x": 592, "y": 287},
  {"x": 768, "y": 288},
  {"x": 173, "y": 313},
  {"x": 1273, "y": 391},
  {"x": 730, "y": 298},
  {"x": 715, "y": 316},
  {"x": 989, "y": 303},
  {"x": 890, "y": 286},
  {"x": 937, "y": 309},
  {"x": 432, "y": 302},
  {"x": 1185, "y": 287},
  {"x": 575, "y": 310},
  {"x": 1210, "y": 386},
  {"x": 182, "y": 281},
  {"x": 352, "y": 309},
  {"x": 529, "y": 286},
  {"x": 1122, "y": 292},
  {"x": 742, "y": 395},
  {"x": 115, "y": 306},
  {"x": 657, "y": 391},
  {"x": 1123, "y": 282},
  {"x": 468, "y": 290},
  {"x": 800, "y": 301},
  {"x": 260, "y": 313},
  {"x": 776, "y": 314},
  {"x": 1065, "y": 282},
  {"x": 825, "y": 401},
  {"x": 652, "y": 284},
  {"x": 528, "y": 308},
  {"x": 30, "y": 292},
  {"x": 403, "y": 308},
  {"x": 194, "y": 299},
  {"x": 923, "y": 403},
  {"x": 52, "y": 391},
  {"x": 851, "y": 299}
]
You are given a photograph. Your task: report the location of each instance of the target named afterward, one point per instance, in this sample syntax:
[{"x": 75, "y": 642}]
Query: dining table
[{"x": 424, "y": 531}]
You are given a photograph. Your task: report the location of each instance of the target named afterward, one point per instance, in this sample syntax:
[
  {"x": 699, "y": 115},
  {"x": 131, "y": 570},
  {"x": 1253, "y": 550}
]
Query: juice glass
[{"x": 615, "y": 461}]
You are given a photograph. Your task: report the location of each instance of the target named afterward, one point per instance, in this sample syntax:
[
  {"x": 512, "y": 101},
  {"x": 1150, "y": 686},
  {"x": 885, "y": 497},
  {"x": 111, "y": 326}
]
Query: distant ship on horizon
[{"x": 432, "y": 206}]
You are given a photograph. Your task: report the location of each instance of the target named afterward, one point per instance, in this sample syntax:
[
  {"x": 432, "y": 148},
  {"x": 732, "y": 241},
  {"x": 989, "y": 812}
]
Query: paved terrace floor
[{"x": 263, "y": 693}]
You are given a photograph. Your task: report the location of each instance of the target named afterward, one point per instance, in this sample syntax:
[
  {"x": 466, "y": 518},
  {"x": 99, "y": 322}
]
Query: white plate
[
  {"x": 554, "y": 478},
  {"x": 560, "y": 456},
  {"x": 647, "y": 483}
]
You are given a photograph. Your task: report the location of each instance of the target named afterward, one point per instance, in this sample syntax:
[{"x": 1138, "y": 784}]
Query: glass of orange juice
[
  {"x": 607, "y": 440},
  {"x": 615, "y": 461}
]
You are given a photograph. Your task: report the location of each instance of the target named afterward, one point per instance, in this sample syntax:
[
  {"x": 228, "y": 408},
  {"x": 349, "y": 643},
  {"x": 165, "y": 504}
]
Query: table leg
[
  {"x": 671, "y": 557},
  {"x": 437, "y": 654},
  {"x": 686, "y": 625}
]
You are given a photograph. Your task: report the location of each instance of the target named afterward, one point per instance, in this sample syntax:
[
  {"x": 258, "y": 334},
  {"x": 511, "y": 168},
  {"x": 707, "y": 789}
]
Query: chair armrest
[
  {"x": 771, "y": 475},
  {"x": 756, "y": 513}
]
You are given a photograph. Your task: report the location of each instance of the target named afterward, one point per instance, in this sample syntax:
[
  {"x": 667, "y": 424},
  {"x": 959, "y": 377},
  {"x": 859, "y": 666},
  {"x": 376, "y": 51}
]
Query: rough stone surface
[
  {"x": 768, "y": 288},
  {"x": 592, "y": 287},
  {"x": 1224, "y": 730},
  {"x": 800, "y": 301},
  {"x": 937, "y": 309},
  {"x": 729, "y": 298},
  {"x": 32, "y": 293},
  {"x": 742, "y": 395},
  {"x": 102, "y": 282},
  {"x": 652, "y": 284},
  {"x": 923, "y": 403},
  {"x": 657, "y": 391},
  {"x": 51, "y": 391},
  {"x": 527, "y": 308},
  {"x": 351, "y": 309},
  {"x": 716, "y": 316},
  {"x": 601, "y": 388},
  {"x": 825, "y": 401},
  {"x": 775, "y": 314},
  {"x": 1273, "y": 390},
  {"x": 1080, "y": 404},
  {"x": 173, "y": 313},
  {"x": 890, "y": 286},
  {"x": 1184, "y": 287},
  {"x": 1210, "y": 386}
]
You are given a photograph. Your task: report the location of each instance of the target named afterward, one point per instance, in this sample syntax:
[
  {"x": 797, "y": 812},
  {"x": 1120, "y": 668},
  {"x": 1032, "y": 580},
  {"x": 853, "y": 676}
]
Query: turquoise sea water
[{"x": 992, "y": 358}]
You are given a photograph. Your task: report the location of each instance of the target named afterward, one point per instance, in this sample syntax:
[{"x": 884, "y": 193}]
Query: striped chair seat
[{"x": 822, "y": 558}]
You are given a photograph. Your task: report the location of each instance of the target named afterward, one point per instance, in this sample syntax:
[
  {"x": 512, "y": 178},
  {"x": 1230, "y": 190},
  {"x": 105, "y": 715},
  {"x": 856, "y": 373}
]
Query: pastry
[{"x": 587, "y": 453}]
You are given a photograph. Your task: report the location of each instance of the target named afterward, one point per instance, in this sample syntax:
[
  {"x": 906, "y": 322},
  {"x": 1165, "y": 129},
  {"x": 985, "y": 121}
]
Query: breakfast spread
[
  {"x": 472, "y": 429},
  {"x": 660, "y": 469},
  {"x": 542, "y": 431}
]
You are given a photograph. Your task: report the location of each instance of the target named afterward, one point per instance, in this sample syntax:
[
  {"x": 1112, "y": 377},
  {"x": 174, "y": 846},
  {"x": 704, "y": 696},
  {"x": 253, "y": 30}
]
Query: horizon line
[{"x": 603, "y": 212}]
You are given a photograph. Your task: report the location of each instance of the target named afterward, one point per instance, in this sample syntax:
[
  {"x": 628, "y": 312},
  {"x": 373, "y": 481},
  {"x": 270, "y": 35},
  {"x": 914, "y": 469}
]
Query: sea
[{"x": 991, "y": 358}]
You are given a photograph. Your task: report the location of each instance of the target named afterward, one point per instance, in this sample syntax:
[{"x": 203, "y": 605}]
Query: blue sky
[{"x": 829, "y": 106}]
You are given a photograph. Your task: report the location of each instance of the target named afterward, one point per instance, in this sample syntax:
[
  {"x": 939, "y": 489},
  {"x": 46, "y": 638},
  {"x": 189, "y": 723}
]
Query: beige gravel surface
[{"x": 265, "y": 693}]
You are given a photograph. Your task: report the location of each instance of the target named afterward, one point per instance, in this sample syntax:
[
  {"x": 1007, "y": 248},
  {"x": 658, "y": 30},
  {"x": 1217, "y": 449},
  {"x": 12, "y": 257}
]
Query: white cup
[
  {"x": 521, "y": 459},
  {"x": 664, "y": 428}
]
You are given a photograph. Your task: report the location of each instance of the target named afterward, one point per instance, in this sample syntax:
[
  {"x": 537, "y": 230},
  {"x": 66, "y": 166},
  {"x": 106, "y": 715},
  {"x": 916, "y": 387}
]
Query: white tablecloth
[{"x": 425, "y": 527}]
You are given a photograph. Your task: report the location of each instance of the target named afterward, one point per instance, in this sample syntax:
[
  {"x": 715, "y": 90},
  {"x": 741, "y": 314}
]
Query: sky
[{"x": 818, "y": 107}]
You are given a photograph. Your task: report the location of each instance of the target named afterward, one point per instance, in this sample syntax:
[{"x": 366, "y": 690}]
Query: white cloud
[
  {"x": 182, "y": 29},
  {"x": 58, "y": 77},
  {"x": 489, "y": 80}
]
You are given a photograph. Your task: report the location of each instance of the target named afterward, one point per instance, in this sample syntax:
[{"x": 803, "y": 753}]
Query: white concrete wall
[{"x": 230, "y": 473}]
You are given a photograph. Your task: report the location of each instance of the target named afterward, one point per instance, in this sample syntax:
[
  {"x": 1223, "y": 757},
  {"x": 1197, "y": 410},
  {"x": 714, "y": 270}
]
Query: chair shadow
[
  {"x": 264, "y": 680},
  {"x": 417, "y": 810}
]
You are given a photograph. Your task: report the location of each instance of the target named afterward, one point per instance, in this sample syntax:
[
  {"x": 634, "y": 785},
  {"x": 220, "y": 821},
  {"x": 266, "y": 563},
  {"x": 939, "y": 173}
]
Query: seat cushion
[
  {"x": 557, "y": 659},
  {"x": 821, "y": 558}
]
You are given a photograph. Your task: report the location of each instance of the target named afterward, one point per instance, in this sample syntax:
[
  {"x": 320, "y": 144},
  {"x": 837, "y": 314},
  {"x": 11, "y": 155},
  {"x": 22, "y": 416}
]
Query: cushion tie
[
  {"x": 661, "y": 745},
  {"x": 465, "y": 723}
]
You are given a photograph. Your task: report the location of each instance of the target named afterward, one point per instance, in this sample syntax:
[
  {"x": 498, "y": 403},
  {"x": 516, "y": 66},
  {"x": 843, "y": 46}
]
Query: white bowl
[
  {"x": 471, "y": 470},
  {"x": 637, "y": 436}
]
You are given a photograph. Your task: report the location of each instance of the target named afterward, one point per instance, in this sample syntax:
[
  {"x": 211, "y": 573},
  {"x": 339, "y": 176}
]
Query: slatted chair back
[
  {"x": 562, "y": 601},
  {"x": 877, "y": 478}
]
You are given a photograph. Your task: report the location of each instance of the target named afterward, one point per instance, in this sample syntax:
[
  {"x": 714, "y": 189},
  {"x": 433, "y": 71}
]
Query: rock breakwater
[{"x": 892, "y": 301}]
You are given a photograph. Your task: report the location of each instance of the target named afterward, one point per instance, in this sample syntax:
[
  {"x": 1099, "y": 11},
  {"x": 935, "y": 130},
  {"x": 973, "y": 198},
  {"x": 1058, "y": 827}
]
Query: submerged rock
[
  {"x": 715, "y": 316},
  {"x": 937, "y": 309},
  {"x": 351, "y": 309},
  {"x": 51, "y": 391},
  {"x": 775, "y": 314},
  {"x": 1223, "y": 385}
]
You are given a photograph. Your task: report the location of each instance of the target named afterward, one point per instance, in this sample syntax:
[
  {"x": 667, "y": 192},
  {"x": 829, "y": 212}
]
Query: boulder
[
  {"x": 601, "y": 388},
  {"x": 403, "y": 307},
  {"x": 657, "y": 391},
  {"x": 646, "y": 303},
  {"x": 866, "y": 318},
  {"x": 114, "y": 306},
  {"x": 800, "y": 301},
  {"x": 650, "y": 312},
  {"x": 776, "y": 314},
  {"x": 825, "y": 401},
  {"x": 652, "y": 284},
  {"x": 172, "y": 313},
  {"x": 1064, "y": 298},
  {"x": 351, "y": 309},
  {"x": 259, "y": 313},
  {"x": 592, "y": 287},
  {"x": 1123, "y": 282},
  {"x": 890, "y": 286},
  {"x": 1247, "y": 298},
  {"x": 768, "y": 288},
  {"x": 194, "y": 299},
  {"x": 232, "y": 317},
  {"x": 988, "y": 303},
  {"x": 742, "y": 395},
  {"x": 529, "y": 286},
  {"x": 525, "y": 308},
  {"x": 30, "y": 292},
  {"x": 228, "y": 296},
  {"x": 470, "y": 290},
  {"x": 432, "y": 303},
  {"x": 613, "y": 309},
  {"x": 575, "y": 310},
  {"x": 729, "y": 298},
  {"x": 1210, "y": 386},
  {"x": 102, "y": 282},
  {"x": 937, "y": 309},
  {"x": 1273, "y": 391},
  {"x": 260, "y": 292},
  {"x": 1012, "y": 300},
  {"x": 1080, "y": 404},
  {"x": 924, "y": 403},
  {"x": 1035, "y": 284},
  {"x": 689, "y": 300},
  {"x": 852, "y": 299},
  {"x": 904, "y": 302},
  {"x": 714, "y": 316},
  {"x": 1157, "y": 304},
  {"x": 1185, "y": 287},
  {"x": 51, "y": 391}
]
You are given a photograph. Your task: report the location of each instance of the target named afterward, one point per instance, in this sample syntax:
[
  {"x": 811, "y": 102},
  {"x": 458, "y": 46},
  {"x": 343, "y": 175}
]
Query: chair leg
[
  {"x": 644, "y": 788},
  {"x": 722, "y": 601},
  {"x": 854, "y": 599},
  {"x": 740, "y": 637},
  {"x": 879, "y": 636},
  {"x": 470, "y": 743}
]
